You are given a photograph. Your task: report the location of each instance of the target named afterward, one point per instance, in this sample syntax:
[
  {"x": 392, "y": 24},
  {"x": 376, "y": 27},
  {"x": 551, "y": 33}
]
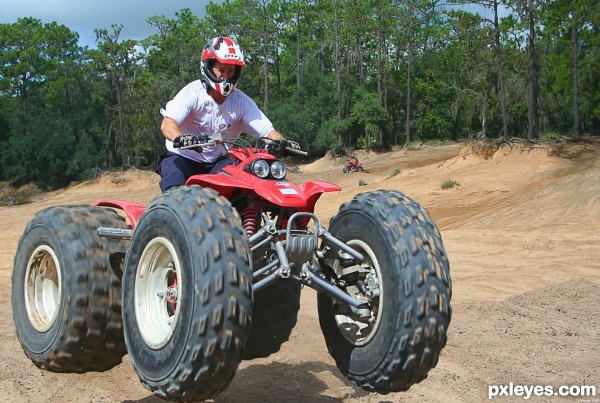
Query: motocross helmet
[{"x": 226, "y": 51}]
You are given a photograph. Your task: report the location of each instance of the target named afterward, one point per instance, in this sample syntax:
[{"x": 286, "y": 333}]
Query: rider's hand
[
  {"x": 278, "y": 147},
  {"x": 189, "y": 140},
  {"x": 293, "y": 145}
]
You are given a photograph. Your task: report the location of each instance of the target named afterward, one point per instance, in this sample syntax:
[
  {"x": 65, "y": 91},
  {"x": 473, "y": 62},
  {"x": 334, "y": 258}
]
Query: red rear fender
[
  {"x": 225, "y": 185},
  {"x": 132, "y": 210}
]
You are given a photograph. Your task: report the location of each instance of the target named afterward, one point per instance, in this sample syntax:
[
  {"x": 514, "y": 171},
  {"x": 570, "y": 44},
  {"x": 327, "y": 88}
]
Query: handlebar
[
  {"x": 207, "y": 144},
  {"x": 213, "y": 140},
  {"x": 291, "y": 147},
  {"x": 296, "y": 151}
]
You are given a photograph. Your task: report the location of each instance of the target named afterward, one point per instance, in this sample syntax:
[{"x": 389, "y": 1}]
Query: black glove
[
  {"x": 189, "y": 140},
  {"x": 278, "y": 147},
  {"x": 293, "y": 145}
]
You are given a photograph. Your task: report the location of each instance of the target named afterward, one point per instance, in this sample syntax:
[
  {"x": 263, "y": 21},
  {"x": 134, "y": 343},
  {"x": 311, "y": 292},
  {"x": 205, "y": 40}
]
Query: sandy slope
[{"x": 521, "y": 230}]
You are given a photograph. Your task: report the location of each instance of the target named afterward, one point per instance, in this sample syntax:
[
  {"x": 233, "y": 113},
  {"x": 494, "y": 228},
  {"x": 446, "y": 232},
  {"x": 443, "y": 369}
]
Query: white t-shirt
[{"x": 196, "y": 112}]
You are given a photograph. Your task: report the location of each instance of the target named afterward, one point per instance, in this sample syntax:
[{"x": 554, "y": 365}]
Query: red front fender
[{"x": 314, "y": 190}]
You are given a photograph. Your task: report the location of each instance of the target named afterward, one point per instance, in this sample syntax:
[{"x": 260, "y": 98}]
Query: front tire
[
  {"x": 66, "y": 290},
  {"x": 405, "y": 278},
  {"x": 187, "y": 294}
]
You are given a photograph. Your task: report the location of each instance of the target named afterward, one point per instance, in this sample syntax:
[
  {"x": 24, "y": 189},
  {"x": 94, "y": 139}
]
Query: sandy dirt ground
[{"x": 521, "y": 228}]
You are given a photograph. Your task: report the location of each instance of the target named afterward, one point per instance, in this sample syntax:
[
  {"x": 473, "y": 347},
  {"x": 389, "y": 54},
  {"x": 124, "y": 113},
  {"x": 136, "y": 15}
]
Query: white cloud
[{"x": 84, "y": 16}]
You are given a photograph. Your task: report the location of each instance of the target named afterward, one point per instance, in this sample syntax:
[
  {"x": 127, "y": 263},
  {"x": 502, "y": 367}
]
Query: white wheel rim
[
  {"x": 158, "y": 292},
  {"x": 42, "y": 288},
  {"x": 360, "y": 333}
]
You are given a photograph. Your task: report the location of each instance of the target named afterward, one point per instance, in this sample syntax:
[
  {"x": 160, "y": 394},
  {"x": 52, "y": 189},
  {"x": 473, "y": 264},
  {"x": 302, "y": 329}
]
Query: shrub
[
  {"x": 449, "y": 184},
  {"x": 395, "y": 172}
]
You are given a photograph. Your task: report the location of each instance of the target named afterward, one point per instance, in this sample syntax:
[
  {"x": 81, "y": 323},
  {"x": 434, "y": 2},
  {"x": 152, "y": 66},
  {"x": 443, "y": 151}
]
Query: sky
[{"x": 84, "y": 16}]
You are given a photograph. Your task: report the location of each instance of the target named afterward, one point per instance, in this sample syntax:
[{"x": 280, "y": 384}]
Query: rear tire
[
  {"x": 407, "y": 269},
  {"x": 66, "y": 293},
  {"x": 274, "y": 316},
  {"x": 187, "y": 294}
]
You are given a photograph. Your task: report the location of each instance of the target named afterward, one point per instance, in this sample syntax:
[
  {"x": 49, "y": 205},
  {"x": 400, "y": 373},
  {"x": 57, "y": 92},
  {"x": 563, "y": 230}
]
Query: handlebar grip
[{"x": 296, "y": 151}]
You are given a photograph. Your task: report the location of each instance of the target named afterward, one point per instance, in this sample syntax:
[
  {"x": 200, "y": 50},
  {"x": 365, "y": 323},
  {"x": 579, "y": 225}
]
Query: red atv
[
  {"x": 210, "y": 274},
  {"x": 353, "y": 166}
]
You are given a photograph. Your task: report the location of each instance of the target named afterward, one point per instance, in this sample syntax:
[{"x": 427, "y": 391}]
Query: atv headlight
[
  {"x": 278, "y": 170},
  {"x": 260, "y": 168}
]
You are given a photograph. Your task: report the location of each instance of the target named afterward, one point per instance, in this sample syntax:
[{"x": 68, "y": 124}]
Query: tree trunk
[
  {"x": 298, "y": 48},
  {"x": 381, "y": 73},
  {"x": 109, "y": 153},
  {"x": 500, "y": 73},
  {"x": 483, "y": 135},
  {"x": 338, "y": 73},
  {"x": 121, "y": 125},
  {"x": 266, "y": 70},
  {"x": 575, "y": 57},
  {"x": 409, "y": 65},
  {"x": 408, "y": 92},
  {"x": 532, "y": 101}
]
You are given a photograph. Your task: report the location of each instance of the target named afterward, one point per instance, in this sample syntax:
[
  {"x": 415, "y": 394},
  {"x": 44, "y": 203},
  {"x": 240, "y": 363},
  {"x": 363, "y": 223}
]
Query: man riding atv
[
  {"x": 352, "y": 165},
  {"x": 207, "y": 106}
]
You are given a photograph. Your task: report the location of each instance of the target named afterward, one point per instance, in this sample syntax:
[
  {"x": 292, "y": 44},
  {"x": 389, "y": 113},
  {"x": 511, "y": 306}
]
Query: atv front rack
[{"x": 298, "y": 257}]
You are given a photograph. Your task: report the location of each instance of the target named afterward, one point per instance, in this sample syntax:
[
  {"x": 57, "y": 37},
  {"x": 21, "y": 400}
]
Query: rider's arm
[
  {"x": 275, "y": 135},
  {"x": 170, "y": 129}
]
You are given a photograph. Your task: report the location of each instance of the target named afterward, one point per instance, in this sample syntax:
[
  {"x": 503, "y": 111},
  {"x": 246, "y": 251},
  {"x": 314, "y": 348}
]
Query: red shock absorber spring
[
  {"x": 250, "y": 220},
  {"x": 300, "y": 223}
]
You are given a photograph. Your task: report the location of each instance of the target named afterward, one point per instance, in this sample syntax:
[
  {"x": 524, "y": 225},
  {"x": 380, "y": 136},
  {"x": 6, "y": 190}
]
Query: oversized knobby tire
[
  {"x": 66, "y": 290},
  {"x": 274, "y": 316},
  {"x": 187, "y": 298},
  {"x": 346, "y": 170},
  {"x": 407, "y": 270},
  {"x": 360, "y": 169}
]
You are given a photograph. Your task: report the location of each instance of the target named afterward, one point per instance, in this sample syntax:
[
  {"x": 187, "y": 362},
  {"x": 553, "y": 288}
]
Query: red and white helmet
[{"x": 223, "y": 50}]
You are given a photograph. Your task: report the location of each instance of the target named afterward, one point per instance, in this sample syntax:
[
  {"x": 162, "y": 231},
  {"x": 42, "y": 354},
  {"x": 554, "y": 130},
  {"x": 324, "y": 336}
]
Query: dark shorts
[{"x": 175, "y": 169}]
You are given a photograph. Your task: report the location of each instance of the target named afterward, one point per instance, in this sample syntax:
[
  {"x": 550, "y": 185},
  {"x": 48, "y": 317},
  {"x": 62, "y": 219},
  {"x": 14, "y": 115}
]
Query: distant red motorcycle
[{"x": 353, "y": 166}]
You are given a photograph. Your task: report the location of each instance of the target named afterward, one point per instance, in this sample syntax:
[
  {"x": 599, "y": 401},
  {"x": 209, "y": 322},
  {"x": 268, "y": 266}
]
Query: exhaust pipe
[{"x": 115, "y": 233}]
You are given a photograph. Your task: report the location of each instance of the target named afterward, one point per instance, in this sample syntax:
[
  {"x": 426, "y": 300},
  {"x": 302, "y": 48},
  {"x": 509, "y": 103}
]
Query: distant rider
[{"x": 207, "y": 106}]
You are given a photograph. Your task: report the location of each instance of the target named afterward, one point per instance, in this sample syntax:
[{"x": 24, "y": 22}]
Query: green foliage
[
  {"x": 366, "y": 142},
  {"x": 432, "y": 120},
  {"x": 368, "y": 112},
  {"x": 300, "y": 114},
  {"x": 329, "y": 136}
]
